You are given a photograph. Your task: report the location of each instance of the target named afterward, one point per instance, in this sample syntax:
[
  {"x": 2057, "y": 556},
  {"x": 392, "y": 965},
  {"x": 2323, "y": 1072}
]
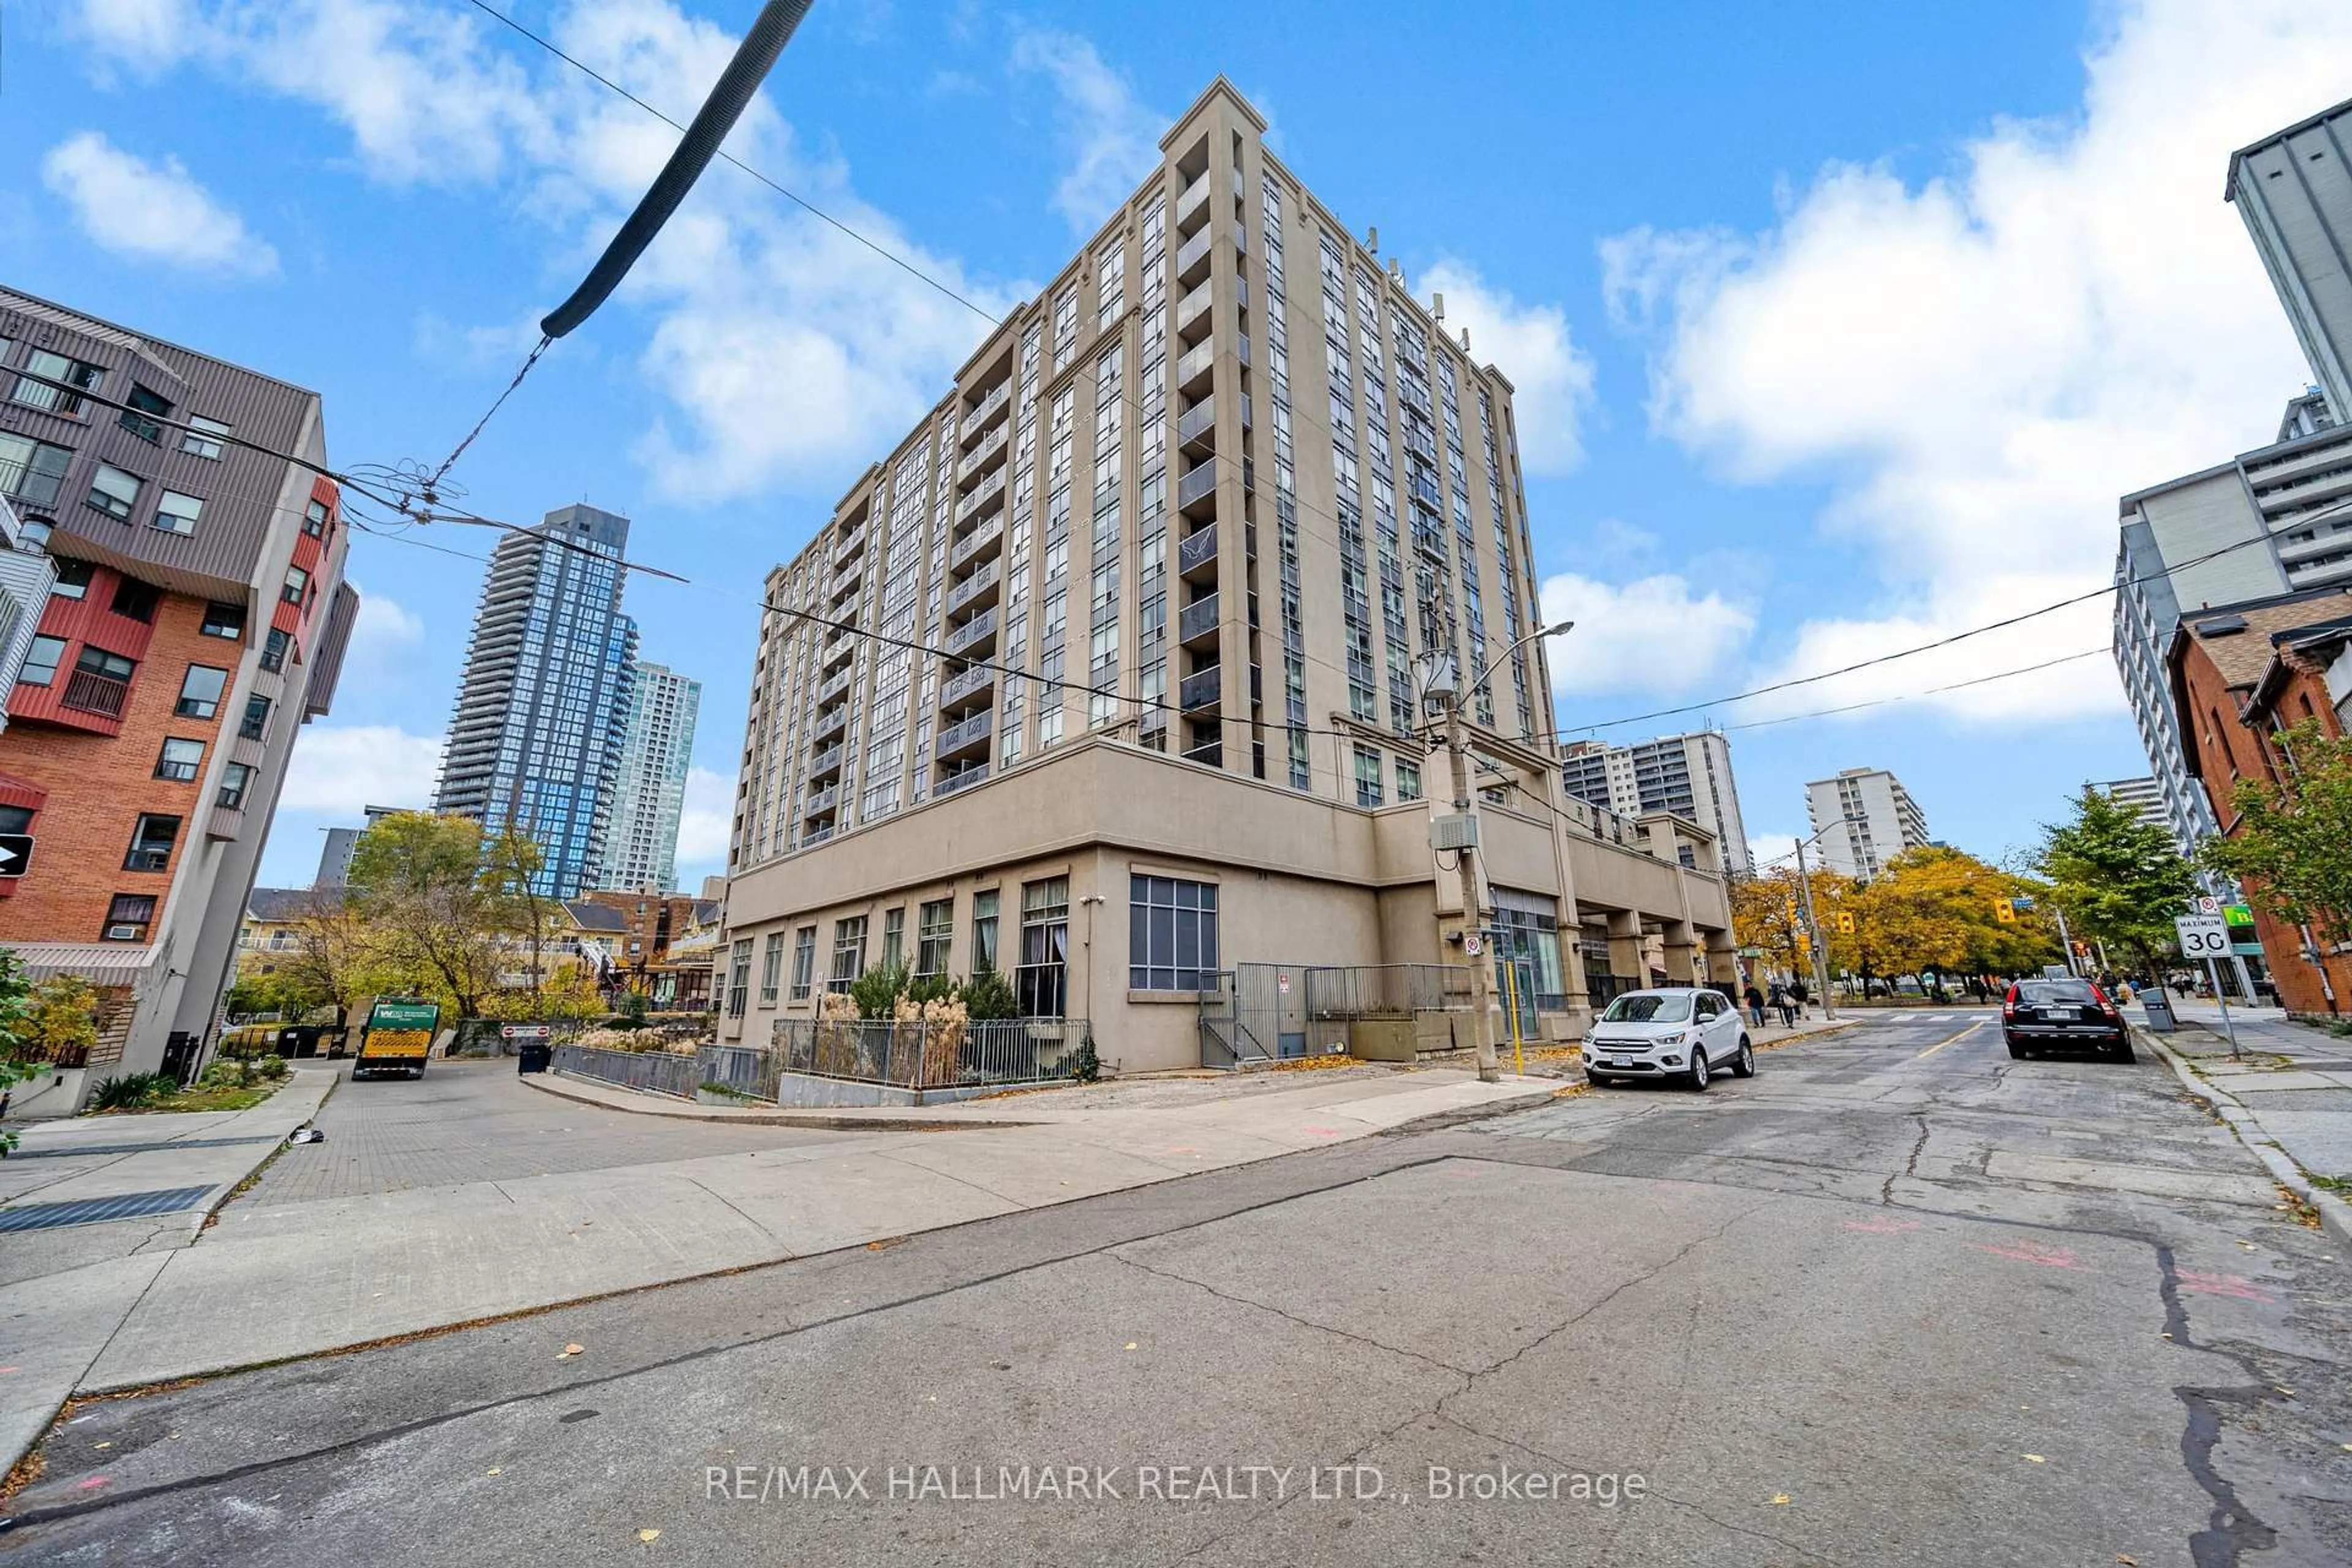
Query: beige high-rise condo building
[
  {"x": 1864, "y": 819},
  {"x": 1107, "y": 676}
]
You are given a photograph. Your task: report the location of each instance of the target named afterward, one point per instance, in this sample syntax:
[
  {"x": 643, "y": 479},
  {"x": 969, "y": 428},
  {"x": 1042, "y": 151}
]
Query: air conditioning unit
[
  {"x": 1458, "y": 832},
  {"x": 122, "y": 933}
]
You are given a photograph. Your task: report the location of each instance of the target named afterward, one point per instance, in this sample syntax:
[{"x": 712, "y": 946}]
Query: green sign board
[
  {"x": 2238, "y": 914},
  {"x": 403, "y": 1016}
]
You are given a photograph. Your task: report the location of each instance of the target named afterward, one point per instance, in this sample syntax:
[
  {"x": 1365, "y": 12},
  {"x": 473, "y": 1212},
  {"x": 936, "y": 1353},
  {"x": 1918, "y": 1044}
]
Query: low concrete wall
[
  {"x": 52, "y": 1094},
  {"x": 808, "y": 1088}
]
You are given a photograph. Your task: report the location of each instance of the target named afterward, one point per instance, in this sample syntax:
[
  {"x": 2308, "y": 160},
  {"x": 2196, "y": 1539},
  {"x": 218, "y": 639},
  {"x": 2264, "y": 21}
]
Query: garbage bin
[
  {"x": 533, "y": 1056},
  {"x": 2160, "y": 1010}
]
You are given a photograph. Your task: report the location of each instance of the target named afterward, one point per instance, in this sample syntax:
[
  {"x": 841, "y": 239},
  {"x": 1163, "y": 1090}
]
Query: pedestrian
[
  {"x": 1755, "y": 999},
  {"x": 1787, "y": 1008},
  {"x": 1799, "y": 996}
]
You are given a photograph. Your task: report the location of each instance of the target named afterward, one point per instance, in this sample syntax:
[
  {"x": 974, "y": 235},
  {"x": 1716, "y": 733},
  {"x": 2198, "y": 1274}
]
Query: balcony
[
  {"x": 92, "y": 693},
  {"x": 851, "y": 542},
  {"x": 986, "y": 414},
  {"x": 973, "y": 543},
  {"x": 980, "y": 680},
  {"x": 839, "y": 644},
  {"x": 830, "y": 724},
  {"x": 1199, "y": 423},
  {"x": 975, "y": 636},
  {"x": 1199, "y": 485},
  {"x": 1197, "y": 623},
  {"x": 1192, "y": 203},
  {"x": 838, "y": 686},
  {"x": 962, "y": 778},
  {"x": 821, "y": 803},
  {"x": 1192, "y": 258},
  {"x": 991, "y": 491},
  {"x": 1192, "y": 311},
  {"x": 1197, "y": 555},
  {"x": 825, "y": 763},
  {"x": 1200, "y": 690},
  {"x": 1192, "y": 369},
  {"x": 980, "y": 454},
  {"x": 967, "y": 736},
  {"x": 977, "y": 588},
  {"x": 845, "y": 581}
]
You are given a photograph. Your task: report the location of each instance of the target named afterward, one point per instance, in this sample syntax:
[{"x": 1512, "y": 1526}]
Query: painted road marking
[{"x": 1940, "y": 1044}]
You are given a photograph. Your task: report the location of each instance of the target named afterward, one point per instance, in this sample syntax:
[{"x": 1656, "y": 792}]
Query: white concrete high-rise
[
  {"x": 1689, "y": 776},
  {"x": 649, "y": 792},
  {"x": 1865, "y": 818},
  {"x": 2296, "y": 194}
]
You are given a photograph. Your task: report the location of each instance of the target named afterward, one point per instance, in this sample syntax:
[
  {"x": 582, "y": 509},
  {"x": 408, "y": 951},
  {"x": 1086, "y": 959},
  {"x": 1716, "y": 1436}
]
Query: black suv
[{"x": 2037, "y": 1015}]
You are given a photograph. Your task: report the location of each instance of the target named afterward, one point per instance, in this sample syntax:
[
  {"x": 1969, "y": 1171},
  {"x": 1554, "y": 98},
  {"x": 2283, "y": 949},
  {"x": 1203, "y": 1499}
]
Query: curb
[
  {"x": 824, "y": 1120},
  {"x": 2335, "y": 1214}
]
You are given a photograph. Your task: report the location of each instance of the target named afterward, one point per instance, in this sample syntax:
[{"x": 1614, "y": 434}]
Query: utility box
[{"x": 2160, "y": 1010}]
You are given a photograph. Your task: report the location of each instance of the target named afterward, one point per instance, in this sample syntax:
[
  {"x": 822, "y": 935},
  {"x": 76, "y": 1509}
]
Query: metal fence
[
  {"x": 657, "y": 1072},
  {"x": 747, "y": 1070},
  {"x": 1386, "y": 990},
  {"x": 930, "y": 1055}
]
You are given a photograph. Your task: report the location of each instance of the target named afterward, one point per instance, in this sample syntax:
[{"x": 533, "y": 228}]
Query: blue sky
[{"x": 1832, "y": 337}]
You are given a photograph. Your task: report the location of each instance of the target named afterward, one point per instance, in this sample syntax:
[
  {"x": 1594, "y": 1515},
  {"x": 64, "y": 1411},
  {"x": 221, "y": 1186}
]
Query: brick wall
[{"x": 98, "y": 785}]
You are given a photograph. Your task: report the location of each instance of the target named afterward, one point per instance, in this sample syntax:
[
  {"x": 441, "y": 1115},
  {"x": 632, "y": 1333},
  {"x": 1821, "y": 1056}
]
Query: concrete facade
[
  {"x": 649, "y": 788},
  {"x": 197, "y": 619},
  {"x": 1688, "y": 775},
  {"x": 2295, "y": 192},
  {"x": 1865, "y": 818},
  {"x": 543, "y": 705},
  {"x": 1173, "y": 548}
]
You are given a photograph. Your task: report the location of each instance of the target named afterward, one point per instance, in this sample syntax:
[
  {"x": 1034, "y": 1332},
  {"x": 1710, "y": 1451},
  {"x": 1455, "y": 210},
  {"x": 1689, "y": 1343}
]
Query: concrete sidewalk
[
  {"x": 273, "y": 1282},
  {"x": 2288, "y": 1098},
  {"x": 66, "y": 1290}
]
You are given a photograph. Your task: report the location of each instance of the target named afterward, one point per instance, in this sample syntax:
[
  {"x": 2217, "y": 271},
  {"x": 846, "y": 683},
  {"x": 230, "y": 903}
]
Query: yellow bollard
[{"x": 1511, "y": 989}]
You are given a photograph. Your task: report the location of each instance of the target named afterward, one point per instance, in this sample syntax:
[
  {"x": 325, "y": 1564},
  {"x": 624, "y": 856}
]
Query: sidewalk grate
[
  {"x": 89, "y": 1150},
  {"x": 91, "y": 1211}
]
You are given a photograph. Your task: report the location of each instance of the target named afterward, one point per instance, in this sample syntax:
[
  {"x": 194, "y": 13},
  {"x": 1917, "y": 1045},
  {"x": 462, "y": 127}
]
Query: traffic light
[
  {"x": 1845, "y": 922},
  {"x": 2005, "y": 911}
]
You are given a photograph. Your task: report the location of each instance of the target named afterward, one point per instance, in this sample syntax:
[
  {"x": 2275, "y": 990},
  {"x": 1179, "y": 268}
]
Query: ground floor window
[
  {"x": 738, "y": 977},
  {"x": 1172, "y": 935},
  {"x": 1530, "y": 928},
  {"x": 983, "y": 930},
  {"x": 803, "y": 963},
  {"x": 772, "y": 963},
  {"x": 848, "y": 953},
  {"x": 1042, "y": 983},
  {"x": 934, "y": 931}
]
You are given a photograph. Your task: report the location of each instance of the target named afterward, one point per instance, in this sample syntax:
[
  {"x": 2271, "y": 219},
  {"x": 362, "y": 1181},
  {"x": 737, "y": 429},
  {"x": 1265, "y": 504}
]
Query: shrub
[
  {"x": 876, "y": 992},
  {"x": 129, "y": 1091},
  {"x": 1085, "y": 1066},
  {"x": 988, "y": 995},
  {"x": 924, "y": 988}
]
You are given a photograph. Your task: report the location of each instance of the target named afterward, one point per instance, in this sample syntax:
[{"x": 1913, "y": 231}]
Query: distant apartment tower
[
  {"x": 196, "y": 617},
  {"x": 1865, "y": 818},
  {"x": 2295, "y": 192},
  {"x": 535, "y": 742},
  {"x": 641, "y": 849},
  {"x": 1689, "y": 776},
  {"x": 2141, "y": 796},
  {"x": 335, "y": 856}
]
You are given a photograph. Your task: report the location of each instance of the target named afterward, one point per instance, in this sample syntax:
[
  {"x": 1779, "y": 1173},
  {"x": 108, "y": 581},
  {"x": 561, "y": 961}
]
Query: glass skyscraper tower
[{"x": 543, "y": 711}]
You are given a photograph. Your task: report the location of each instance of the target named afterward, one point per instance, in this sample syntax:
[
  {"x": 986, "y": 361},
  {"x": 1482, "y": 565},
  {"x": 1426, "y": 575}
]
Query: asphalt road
[{"x": 1898, "y": 1299}]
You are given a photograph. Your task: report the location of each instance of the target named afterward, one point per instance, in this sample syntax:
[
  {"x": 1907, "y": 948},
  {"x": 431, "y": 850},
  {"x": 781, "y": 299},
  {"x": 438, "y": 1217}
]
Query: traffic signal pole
[{"x": 1821, "y": 969}]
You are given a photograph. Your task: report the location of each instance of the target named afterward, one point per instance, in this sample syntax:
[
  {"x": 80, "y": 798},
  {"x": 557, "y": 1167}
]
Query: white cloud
[
  {"x": 704, "y": 824},
  {"x": 785, "y": 348},
  {"x": 1771, "y": 851},
  {"x": 1982, "y": 364},
  {"x": 149, "y": 210},
  {"x": 1551, "y": 378},
  {"x": 1653, "y": 635},
  {"x": 339, "y": 769},
  {"x": 1112, "y": 139}
]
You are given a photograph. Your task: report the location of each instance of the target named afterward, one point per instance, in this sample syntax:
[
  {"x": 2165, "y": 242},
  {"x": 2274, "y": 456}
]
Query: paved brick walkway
[{"x": 473, "y": 1121}]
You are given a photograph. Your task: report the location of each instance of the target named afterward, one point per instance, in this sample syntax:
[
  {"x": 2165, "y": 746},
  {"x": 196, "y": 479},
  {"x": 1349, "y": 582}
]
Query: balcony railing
[
  {"x": 973, "y": 632},
  {"x": 94, "y": 693},
  {"x": 981, "y": 453},
  {"x": 1195, "y": 197},
  {"x": 974, "y": 542},
  {"x": 1192, "y": 307},
  {"x": 989, "y": 489},
  {"x": 825, "y": 761},
  {"x": 1197, "y": 620},
  {"x": 821, "y": 803},
  {"x": 1202, "y": 416},
  {"x": 1200, "y": 689},
  {"x": 960, "y": 687},
  {"x": 833, "y": 689},
  {"x": 1192, "y": 253},
  {"x": 963, "y": 778},
  {"x": 1199, "y": 481},
  {"x": 972, "y": 588},
  {"x": 830, "y": 724},
  {"x": 960, "y": 736},
  {"x": 988, "y": 406},
  {"x": 1196, "y": 363},
  {"x": 1198, "y": 549}
]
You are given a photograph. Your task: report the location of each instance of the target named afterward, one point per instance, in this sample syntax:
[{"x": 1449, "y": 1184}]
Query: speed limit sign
[{"x": 2202, "y": 936}]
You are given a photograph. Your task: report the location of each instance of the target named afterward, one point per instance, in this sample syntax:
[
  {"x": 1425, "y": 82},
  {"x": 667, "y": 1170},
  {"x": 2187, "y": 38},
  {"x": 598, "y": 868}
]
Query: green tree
[
  {"x": 61, "y": 1016},
  {"x": 2291, "y": 847},
  {"x": 19, "y": 1057},
  {"x": 2120, "y": 878},
  {"x": 417, "y": 879}
]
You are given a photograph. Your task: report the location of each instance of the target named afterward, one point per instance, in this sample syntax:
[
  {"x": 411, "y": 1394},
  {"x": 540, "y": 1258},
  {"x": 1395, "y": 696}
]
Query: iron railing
[
  {"x": 921, "y": 1055},
  {"x": 654, "y": 1072},
  {"x": 1385, "y": 990}
]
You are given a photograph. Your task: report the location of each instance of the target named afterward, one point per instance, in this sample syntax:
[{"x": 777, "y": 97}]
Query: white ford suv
[{"x": 1675, "y": 1031}]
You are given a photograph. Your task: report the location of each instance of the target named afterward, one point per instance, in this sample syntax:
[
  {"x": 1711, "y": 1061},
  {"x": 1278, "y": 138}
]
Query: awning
[
  {"x": 100, "y": 962},
  {"x": 14, "y": 791}
]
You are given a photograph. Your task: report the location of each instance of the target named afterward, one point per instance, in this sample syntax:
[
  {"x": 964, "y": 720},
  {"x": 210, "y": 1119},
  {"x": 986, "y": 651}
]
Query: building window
[
  {"x": 894, "y": 938},
  {"x": 177, "y": 514},
  {"x": 983, "y": 930},
  {"x": 933, "y": 935},
  {"x": 73, "y": 580},
  {"x": 1408, "y": 776},
  {"x": 151, "y": 843},
  {"x": 738, "y": 977},
  {"x": 803, "y": 963},
  {"x": 100, "y": 683},
  {"x": 42, "y": 368},
  {"x": 1172, "y": 935},
  {"x": 234, "y": 778},
  {"x": 33, "y": 471},
  {"x": 135, "y": 600},
  {"x": 314, "y": 518},
  {"x": 257, "y": 718},
  {"x": 203, "y": 438},
  {"x": 200, "y": 693},
  {"x": 129, "y": 916},
  {"x": 180, "y": 761},
  {"x": 224, "y": 621},
  {"x": 144, "y": 416},
  {"x": 114, "y": 491},
  {"x": 1367, "y": 775},
  {"x": 1527, "y": 927},
  {"x": 296, "y": 582},
  {"x": 1042, "y": 981},
  {"x": 41, "y": 661},
  {"x": 15, "y": 819},
  {"x": 273, "y": 648},
  {"x": 772, "y": 963},
  {"x": 848, "y": 953}
]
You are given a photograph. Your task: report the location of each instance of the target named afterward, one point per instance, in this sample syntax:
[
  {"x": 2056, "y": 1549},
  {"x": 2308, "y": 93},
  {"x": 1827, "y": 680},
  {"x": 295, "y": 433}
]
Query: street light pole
[{"x": 1821, "y": 969}]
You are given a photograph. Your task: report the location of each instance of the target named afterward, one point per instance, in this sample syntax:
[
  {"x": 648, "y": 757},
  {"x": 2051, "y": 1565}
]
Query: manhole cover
[{"x": 91, "y": 1211}]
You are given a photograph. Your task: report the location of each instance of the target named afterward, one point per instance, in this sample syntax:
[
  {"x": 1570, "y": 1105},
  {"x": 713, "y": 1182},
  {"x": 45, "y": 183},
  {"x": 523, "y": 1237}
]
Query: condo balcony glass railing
[
  {"x": 967, "y": 734},
  {"x": 959, "y": 686},
  {"x": 1199, "y": 482},
  {"x": 825, "y": 761},
  {"x": 972, "y": 543},
  {"x": 1197, "y": 620},
  {"x": 962, "y": 778},
  {"x": 1202, "y": 688},
  {"x": 1194, "y": 200},
  {"x": 1198, "y": 549},
  {"x": 964, "y": 592},
  {"x": 973, "y": 632}
]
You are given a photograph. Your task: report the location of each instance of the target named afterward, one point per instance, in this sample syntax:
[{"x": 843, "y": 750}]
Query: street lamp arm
[{"x": 1558, "y": 628}]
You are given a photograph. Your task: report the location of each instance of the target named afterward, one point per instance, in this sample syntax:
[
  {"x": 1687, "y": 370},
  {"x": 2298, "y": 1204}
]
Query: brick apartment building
[
  {"x": 651, "y": 954},
  {"x": 2240, "y": 674},
  {"x": 198, "y": 618}
]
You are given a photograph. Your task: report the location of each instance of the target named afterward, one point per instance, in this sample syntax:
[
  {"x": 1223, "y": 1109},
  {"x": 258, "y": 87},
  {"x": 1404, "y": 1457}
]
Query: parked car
[
  {"x": 1677, "y": 1031},
  {"x": 2043, "y": 1015}
]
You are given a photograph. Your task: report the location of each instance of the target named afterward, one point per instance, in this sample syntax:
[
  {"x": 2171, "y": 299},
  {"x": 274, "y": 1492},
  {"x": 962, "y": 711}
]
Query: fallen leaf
[
  {"x": 102, "y": 1445},
  {"x": 491, "y": 1471},
  {"x": 2127, "y": 1560},
  {"x": 2288, "y": 1392},
  {"x": 1130, "y": 1344},
  {"x": 2036, "y": 1459},
  {"x": 649, "y": 1535},
  {"x": 1780, "y": 1499}
]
